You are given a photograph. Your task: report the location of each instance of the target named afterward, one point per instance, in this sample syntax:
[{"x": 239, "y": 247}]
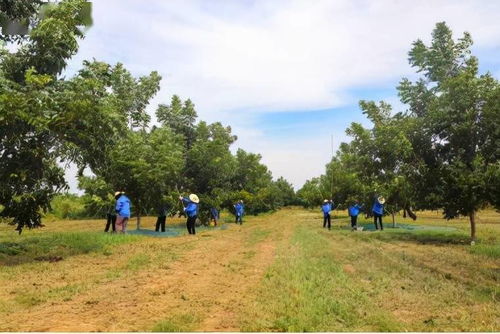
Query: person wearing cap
[
  {"x": 191, "y": 209},
  {"x": 354, "y": 210},
  {"x": 122, "y": 209},
  {"x": 214, "y": 215},
  {"x": 326, "y": 208},
  {"x": 378, "y": 211},
  {"x": 239, "y": 209}
]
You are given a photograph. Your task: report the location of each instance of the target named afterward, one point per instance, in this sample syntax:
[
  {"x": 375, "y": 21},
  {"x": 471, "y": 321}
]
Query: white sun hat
[{"x": 194, "y": 198}]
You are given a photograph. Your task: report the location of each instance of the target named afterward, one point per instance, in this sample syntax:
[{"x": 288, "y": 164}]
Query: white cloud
[{"x": 254, "y": 56}]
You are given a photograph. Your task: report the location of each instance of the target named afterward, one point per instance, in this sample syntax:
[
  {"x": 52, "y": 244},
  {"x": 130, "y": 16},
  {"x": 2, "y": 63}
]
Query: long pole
[{"x": 331, "y": 169}]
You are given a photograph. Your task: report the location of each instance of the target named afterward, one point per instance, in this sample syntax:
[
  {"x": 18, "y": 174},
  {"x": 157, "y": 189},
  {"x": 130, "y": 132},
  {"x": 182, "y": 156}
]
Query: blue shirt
[
  {"x": 326, "y": 208},
  {"x": 240, "y": 208},
  {"x": 354, "y": 210},
  {"x": 215, "y": 213},
  {"x": 378, "y": 208},
  {"x": 123, "y": 206},
  {"x": 191, "y": 208}
]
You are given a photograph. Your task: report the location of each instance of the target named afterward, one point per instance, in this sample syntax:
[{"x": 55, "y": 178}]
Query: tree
[
  {"x": 29, "y": 174},
  {"x": 180, "y": 117},
  {"x": 456, "y": 111},
  {"x": 310, "y": 193}
]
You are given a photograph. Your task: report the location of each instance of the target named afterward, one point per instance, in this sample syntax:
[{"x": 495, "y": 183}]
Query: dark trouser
[
  {"x": 379, "y": 217},
  {"x": 160, "y": 222},
  {"x": 354, "y": 221},
  {"x": 190, "y": 224},
  {"x": 239, "y": 219},
  {"x": 326, "y": 218},
  {"x": 111, "y": 221}
]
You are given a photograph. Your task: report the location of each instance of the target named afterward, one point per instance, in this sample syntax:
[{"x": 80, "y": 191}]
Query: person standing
[
  {"x": 191, "y": 209},
  {"x": 378, "y": 211},
  {"x": 122, "y": 209},
  {"x": 239, "y": 209},
  {"x": 354, "y": 210},
  {"x": 326, "y": 208},
  {"x": 214, "y": 215},
  {"x": 110, "y": 219},
  {"x": 162, "y": 218}
]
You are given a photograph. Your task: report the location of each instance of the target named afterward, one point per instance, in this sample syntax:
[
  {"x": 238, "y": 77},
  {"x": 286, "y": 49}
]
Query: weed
[{"x": 177, "y": 323}]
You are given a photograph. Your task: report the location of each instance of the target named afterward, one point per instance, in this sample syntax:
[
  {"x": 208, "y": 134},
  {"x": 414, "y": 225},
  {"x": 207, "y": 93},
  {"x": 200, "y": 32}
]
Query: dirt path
[{"x": 211, "y": 279}]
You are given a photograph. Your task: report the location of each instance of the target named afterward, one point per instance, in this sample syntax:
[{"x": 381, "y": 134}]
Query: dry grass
[{"x": 283, "y": 269}]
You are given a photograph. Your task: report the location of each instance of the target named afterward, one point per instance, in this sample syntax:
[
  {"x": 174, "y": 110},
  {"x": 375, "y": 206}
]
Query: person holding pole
[
  {"x": 191, "y": 209},
  {"x": 378, "y": 211},
  {"x": 326, "y": 208},
  {"x": 122, "y": 209},
  {"x": 354, "y": 210}
]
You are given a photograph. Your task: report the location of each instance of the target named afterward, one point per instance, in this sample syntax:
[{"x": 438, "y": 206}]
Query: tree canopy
[{"x": 440, "y": 153}]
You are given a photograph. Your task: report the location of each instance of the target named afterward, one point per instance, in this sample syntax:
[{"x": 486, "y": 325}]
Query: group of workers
[
  {"x": 118, "y": 217},
  {"x": 354, "y": 210}
]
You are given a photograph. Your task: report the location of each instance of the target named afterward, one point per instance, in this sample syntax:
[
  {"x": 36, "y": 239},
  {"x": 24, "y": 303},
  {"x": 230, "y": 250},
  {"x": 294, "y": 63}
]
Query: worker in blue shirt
[
  {"x": 354, "y": 210},
  {"x": 214, "y": 215},
  {"x": 191, "y": 209},
  {"x": 326, "y": 208},
  {"x": 378, "y": 211},
  {"x": 239, "y": 210},
  {"x": 122, "y": 209}
]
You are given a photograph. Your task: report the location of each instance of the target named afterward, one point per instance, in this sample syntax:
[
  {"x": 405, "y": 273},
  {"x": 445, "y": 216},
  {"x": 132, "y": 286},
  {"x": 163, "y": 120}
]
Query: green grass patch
[
  {"x": 30, "y": 299},
  {"x": 307, "y": 290},
  {"x": 492, "y": 251},
  {"x": 138, "y": 261},
  {"x": 48, "y": 246},
  {"x": 177, "y": 323}
]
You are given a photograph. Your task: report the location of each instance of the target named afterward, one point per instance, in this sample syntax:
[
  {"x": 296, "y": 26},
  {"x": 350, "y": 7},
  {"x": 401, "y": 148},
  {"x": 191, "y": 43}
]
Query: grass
[
  {"x": 58, "y": 245},
  {"x": 492, "y": 251},
  {"x": 177, "y": 323},
  {"x": 279, "y": 272},
  {"x": 307, "y": 290}
]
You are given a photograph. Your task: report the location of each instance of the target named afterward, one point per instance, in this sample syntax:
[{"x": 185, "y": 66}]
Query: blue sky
[{"x": 286, "y": 75}]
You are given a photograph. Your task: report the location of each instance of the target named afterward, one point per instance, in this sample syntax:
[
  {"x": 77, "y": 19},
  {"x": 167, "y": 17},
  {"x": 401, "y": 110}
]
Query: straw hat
[
  {"x": 325, "y": 201},
  {"x": 194, "y": 198},
  {"x": 117, "y": 193},
  {"x": 381, "y": 199}
]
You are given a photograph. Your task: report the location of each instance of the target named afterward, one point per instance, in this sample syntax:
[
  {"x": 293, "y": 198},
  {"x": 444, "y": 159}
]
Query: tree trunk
[
  {"x": 472, "y": 218},
  {"x": 138, "y": 227},
  {"x": 393, "y": 221}
]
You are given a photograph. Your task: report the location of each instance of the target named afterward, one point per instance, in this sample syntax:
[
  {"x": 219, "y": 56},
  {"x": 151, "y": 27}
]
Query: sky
[{"x": 287, "y": 76}]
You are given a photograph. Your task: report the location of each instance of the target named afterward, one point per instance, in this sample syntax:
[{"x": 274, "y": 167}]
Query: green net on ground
[
  {"x": 388, "y": 225},
  {"x": 173, "y": 232}
]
